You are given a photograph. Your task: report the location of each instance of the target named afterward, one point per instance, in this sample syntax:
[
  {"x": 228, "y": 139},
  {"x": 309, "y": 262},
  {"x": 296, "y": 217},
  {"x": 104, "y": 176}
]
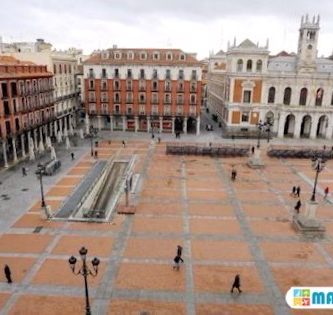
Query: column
[
  {"x": 329, "y": 130},
  {"x": 55, "y": 128},
  {"x": 161, "y": 124},
  {"x": 173, "y": 125},
  {"x": 22, "y": 145},
  {"x": 148, "y": 123},
  {"x": 14, "y": 149},
  {"x": 111, "y": 123},
  {"x": 281, "y": 126},
  {"x": 124, "y": 123},
  {"x": 35, "y": 139},
  {"x": 297, "y": 128},
  {"x": 198, "y": 125},
  {"x": 99, "y": 122},
  {"x": 185, "y": 125},
  {"x": 71, "y": 131},
  {"x": 4, "y": 152},
  {"x": 314, "y": 125},
  {"x": 60, "y": 126},
  {"x": 136, "y": 123},
  {"x": 65, "y": 123}
]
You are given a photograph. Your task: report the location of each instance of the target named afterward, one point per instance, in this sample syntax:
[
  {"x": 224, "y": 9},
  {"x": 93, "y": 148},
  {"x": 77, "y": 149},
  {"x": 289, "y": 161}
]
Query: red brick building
[
  {"x": 26, "y": 107},
  {"x": 156, "y": 90}
]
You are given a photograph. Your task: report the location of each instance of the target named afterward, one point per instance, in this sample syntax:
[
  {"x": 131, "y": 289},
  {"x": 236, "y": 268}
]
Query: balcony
[
  {"x": 180, "y": 102},
  {"x": 129, "y": 100},
  {"x": 129, "y": 88},
  {"x": 104, "y": 99},
  {"x": 167, "y": 101},
  {"x": 116, "y": 87},
  {"x": 104, "y": 87},
  {"x": 180, "y": 89},
  {"x": 117, "y": 112},
  {"x": 142, "y": 88},
  {"x": 154, "y": 101},
  {"x": 91, "y": 88},
  {"x": 117, "y": 100},
  {"x": 167, "y": 88},
  {"x": 193, "y": 90},
  {"x": 193, "y": 102},
  {"x": 142, "y": 101}
]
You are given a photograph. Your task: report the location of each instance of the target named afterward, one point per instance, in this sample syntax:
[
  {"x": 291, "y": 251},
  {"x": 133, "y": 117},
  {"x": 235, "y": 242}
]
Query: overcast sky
[{"x": 193, "y": 25}]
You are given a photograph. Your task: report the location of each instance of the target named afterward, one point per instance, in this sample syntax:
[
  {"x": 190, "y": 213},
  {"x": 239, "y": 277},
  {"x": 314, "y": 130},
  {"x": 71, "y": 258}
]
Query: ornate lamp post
[
  {"x": 318, "y": 165},
  {"x": 85, "y": 272},
  {"x": 260, "y": 126},
  {"x": 40, "y": 172}
]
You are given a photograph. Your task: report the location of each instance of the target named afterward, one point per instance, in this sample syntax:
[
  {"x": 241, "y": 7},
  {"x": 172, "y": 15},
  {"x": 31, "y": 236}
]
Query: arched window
[
  {"x": 259, "y": 65},
  {"x": 287, "y": 96},
  {"x": 302, "y": 96},
  {"x": 249, "y": 65},
  {"x": 271, "y": 95},
  {"x": 319, "y": 97},
  {"x": 239, "y": 65}
]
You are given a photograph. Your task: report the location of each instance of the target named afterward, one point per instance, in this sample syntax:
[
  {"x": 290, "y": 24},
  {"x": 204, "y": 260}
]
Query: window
[
  {"x": 194, "y": 75},
  {"x": 116, "y": 97},
  {"x": 60, "y": 69},
  {"x": 104, "y": 85},
  {"x": 91, "y": 84},
  {"x": 155, "y": 86},
  {"x": 142, "y": 73},
  {"x": 129, "y": 85},
  {"x": 193, "y": 99},
  {"x": 117, "y": 109},
  {"x": 181, "y": 74},
  {"x": 167, "y": 86},
  {"x": 169, "y": 56},
  {"x": 155, "y": 76},
  {"x": 116, "y": 73},
  {"x": 54, "y": 69},
  {"x": 193, "y": 87},
  {"x": 129, "y": 73},
  {"x": 303, "y": 95},
  {"x": 180, "y": 99},
  {"x": 247, "y": 96},
  {"x": 143, "y": 56},
  {"x": 239, "y": 65},
  {"x": 154, "y": 98},
  {"x": 168, "y": 74},
  {"x": 91, "y": 73},
  {"x": 130, "y": 55},
  {"x": 287, "y": 96},
  {"x": 65, "y": 68},
  {"x": 167, "y": 98},
  {"x": 142, "y": 98},
  {"x": 117, "y": 55},
  {"x": 103, "y": 73},
  {"x": 182, "y": 57},
  {"x": 259, "y": 66},
  {"x": 156, "y": 56},
  {"x": 271, "y": 95},
  {"x": 142, "y": 110},
  {"x": 249, "y": 65},
  {"x": 245, "y": 117},
  {"x": 116, "y": 85},
  {"x": 319, "y": 97}
]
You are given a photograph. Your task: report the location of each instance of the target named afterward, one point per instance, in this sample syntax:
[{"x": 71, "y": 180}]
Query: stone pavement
[{"x": 224, "y": 227}]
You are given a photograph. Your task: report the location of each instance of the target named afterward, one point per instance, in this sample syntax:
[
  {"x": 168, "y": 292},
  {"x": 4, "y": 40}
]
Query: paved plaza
[{"x": 225, "y": 228}]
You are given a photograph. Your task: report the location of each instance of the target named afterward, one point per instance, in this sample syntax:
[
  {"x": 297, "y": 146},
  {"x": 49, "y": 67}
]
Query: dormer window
[
  {"x": 130, "y": 55},
  {"x": 182, "y": 57},
  {"x": 117, "y": 55},
  {"x": 105, "y": 55},
  {"x": 169, "y": 56},
  {"x": 143, "y": 55},
  {"x": 156, "y": 55}
]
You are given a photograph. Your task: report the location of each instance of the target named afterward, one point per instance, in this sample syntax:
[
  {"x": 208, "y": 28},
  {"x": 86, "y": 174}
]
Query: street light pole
[
  {"x": 260, "y": 125},
  {"x": 318, "y": 166},
  {"x": 40, "y": 172},
  {"x": 85, "y": 272},
  {"x": 91, "y": 130}
]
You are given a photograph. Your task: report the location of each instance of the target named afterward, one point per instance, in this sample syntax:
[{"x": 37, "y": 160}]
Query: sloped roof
[
  {"x": 247, "y": 44},
  {"x": 283, "y": 54}
]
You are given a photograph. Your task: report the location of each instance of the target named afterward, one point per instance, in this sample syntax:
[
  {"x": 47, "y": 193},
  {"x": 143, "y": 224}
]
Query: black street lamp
[
  {"x": 260, "y": 126},
  {"x": 268, "y": 125},
  {"x": 318, "y": 165},
  {"x": 85, "y": 272},
  {"x": 40, "y": 172},
  {"x": 92, "y": 135}
]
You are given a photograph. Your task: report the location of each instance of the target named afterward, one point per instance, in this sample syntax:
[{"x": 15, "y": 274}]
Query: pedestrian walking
[
  {"x": 298, "y": 206},
  {"x": 124, "y": 143},
  {"x": 252, "y": 150},
  {"x": 179, "y": 253},
  {"x": 236, "y": 285},
  {"x": 159, "y": 140},
  {"x": 298, "y": 191},
  {"x": 176, "y": 261},
  {"x": 96, "y": 154},
  {"x": 326, "y": 191},
  {"x": 233, "y": 174},
  {"x": 293, "y": 192},
  {"x": 8, "y": 274},
  {"x": 24, "y": 171},
  {"x": 73, "y": 156}
]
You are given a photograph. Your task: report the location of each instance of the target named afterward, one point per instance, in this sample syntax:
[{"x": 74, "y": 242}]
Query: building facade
[
  {"x": 291, "y": 93},
  {"x": 27, "y": 110},
  {"x": 63, "y": 66},
  {"x": 157, "y": 90}
]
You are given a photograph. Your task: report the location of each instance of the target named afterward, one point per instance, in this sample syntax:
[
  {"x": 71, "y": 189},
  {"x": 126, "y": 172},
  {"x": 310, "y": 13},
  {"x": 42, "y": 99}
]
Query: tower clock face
[{"x": 309, "y": 47}]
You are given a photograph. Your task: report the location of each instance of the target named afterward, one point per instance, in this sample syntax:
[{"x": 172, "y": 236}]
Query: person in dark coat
[
  {"x": 252, "y": 150},
  {"x": 236, "y": 285},
  {"x": 298, "y": 191},
  {"x": 298, "y": 205},
  {"x": 293, "y": 192},
  {"x": 73, "y": 156},
  {"x": 176, "y": 261},
  {"x": 8, "y": 274},
  {"x": 233, "y": 173},
  {"x": 179, "y": 253},
  {"x": 24, "y": 171}
]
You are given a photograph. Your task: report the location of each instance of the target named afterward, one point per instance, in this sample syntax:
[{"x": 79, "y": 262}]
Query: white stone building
[{"x": 292, "y": 92}]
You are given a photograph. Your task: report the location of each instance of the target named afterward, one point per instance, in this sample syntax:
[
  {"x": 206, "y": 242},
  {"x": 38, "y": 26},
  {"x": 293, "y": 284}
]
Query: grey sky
[{"x": 194, "y": 26}]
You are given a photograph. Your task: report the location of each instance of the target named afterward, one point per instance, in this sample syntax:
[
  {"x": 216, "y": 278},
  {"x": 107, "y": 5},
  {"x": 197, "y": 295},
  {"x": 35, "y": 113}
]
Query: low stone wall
[
  {"x": 299, "y": 152},
  {"x": 210, "y": 150}
]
